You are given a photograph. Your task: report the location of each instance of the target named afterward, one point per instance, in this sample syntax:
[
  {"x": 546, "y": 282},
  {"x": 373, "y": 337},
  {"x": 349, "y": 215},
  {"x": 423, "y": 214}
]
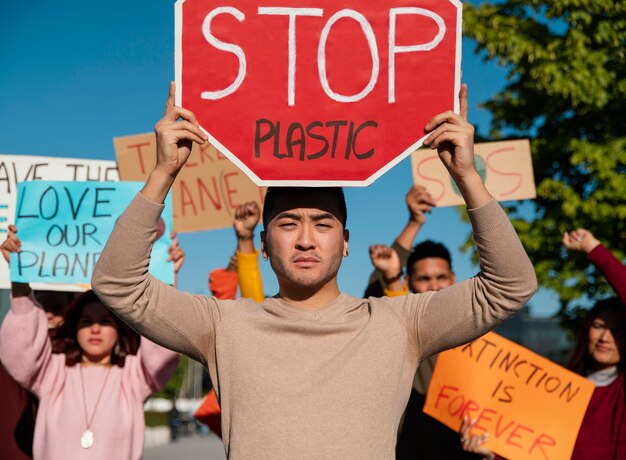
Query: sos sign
[{"x": 317, "y": 92}]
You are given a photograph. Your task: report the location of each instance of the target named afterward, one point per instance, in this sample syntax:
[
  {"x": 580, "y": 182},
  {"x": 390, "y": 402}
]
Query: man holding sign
[{"x": 312, "y": 372}]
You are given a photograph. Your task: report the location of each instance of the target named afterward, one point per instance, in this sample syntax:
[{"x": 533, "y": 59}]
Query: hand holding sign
[
  {"x": 474, "y": 442},
  {"x": 174, "y": 141},
  {"x": 11, "y": 244},
  {"x": 453, "y": 137}
]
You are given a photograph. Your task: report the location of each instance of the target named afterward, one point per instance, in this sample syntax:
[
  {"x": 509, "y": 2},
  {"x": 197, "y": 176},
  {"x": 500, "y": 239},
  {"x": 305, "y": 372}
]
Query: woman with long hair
[
  {"x": 91, "y": 383},
  {"x": 599, "y": 355}
]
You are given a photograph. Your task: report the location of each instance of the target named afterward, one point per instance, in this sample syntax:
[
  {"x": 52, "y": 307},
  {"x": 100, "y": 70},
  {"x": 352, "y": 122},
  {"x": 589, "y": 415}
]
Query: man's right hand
[
  {"x": 419, "y": 201},
  {"x": 174, "y": 141},
  {"x": 11, "y": 244},
  {"x": 175, "y": 138}
]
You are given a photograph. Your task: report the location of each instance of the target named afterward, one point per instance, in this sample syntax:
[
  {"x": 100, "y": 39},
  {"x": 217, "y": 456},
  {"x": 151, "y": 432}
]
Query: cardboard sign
[
  {"x": 505, "y": 167},
  {"x": 23, "y": 168},
  {"x": 531, "y": 407},
  {"x": 63, "y": 227},
  {"x": 205, "y": 193},
  {"x": 323, "y": 92}
]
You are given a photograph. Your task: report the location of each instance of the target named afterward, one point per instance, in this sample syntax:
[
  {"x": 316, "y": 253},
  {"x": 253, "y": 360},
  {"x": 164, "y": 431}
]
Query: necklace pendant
[{"x": 86, "y": 440}]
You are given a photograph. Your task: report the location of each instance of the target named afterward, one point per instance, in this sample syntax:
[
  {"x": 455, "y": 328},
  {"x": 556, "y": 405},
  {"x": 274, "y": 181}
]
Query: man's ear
[
  {"x": 346, "y": 237},
  {"x": 263, "y": 245}
]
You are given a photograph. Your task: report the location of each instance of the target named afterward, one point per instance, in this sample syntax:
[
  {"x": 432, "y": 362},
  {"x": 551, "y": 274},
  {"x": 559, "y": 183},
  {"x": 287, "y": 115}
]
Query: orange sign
[
  {"x": 505, "y": 167},
  {"x": 205, "y": 193},
  {"x": 531, "y": 407}
]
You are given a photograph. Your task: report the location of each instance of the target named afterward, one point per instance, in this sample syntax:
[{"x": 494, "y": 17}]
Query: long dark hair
[
  {"x": 65, "y": 340},
  {"x": 613, "y": 312}
]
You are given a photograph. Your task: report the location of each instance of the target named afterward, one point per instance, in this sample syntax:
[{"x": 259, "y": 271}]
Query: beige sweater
[{"x": 301, "y": 384}]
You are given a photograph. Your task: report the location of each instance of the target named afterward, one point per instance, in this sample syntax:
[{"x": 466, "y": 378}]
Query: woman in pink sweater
[
  {"x": 599, "y": 355},
  {"x": 92, "y": 392}
]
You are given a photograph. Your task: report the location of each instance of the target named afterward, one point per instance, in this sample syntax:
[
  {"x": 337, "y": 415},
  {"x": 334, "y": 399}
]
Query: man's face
[
  {"x": 305, "y": 247},
  {"x": 430, "y": 274}
]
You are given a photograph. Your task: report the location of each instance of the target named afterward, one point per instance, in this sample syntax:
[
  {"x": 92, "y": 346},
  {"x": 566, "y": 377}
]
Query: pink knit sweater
[{"x": 118, "y": 423}]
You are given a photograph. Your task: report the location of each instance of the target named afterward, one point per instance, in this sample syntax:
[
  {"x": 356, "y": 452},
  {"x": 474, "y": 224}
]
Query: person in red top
[
  {"x": 613, "y": 270},
  {"x": 599, "y": 355}
]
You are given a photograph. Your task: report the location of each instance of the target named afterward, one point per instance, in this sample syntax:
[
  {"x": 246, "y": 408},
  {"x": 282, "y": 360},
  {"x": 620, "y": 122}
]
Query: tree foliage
[{"x": 566, "y": 91}]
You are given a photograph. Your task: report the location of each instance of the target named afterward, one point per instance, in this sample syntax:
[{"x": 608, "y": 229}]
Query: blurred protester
[
  {"x": 613, "y": 270},
  {"x": 418, "y": 202},
  {"x": 312, "y": 372},
  {"x": 17, "y": 422},
  {"x": 92, "y": 392},
  {"x": 19, "y": 406},
  {"x": 243, "y": 267},
  {"x": 428, "y": 268},
  {"x": 600, "y": 355}
]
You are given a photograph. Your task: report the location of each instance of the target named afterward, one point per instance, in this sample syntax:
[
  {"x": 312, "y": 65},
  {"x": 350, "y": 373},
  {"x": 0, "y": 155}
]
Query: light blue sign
[{"x": 63, "y": 227}]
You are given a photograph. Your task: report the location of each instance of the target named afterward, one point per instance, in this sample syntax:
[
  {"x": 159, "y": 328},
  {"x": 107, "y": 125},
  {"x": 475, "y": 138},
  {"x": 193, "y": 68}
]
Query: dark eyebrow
[
  {"x": 322, "y": 216},
  {"x": 287, "y": 215},
  {"x": 294, "y": 216}
]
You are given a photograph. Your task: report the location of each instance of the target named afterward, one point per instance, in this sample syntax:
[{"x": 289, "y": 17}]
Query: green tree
[
  {"x": 173, "y": 386},
  {"x": 566, "y": 91}
]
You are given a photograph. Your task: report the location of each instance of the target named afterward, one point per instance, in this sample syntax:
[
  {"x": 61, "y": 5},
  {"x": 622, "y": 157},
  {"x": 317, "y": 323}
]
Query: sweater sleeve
[
  {"x": 467, "y": 310},
  {"x": 612, "y": 269},
  {"x": 176, "y": 320},
  {"x": 157, "y": 365},
  {"x": 25, "y": 348},
  {"x": 250, "y": 282}
]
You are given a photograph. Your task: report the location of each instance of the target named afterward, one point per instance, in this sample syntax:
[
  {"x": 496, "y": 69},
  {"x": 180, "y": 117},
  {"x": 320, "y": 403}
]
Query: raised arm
[
  {"x": 418, "y": 203},
  {"x": 387, "y": 263},
  {"x": 464, "y": 311},
  {"x": 25, "y": 348},
  {"x": 174, "y": 319},
  {"x": 250, "y": 282},
  {"x": 157, "y": 365},
  {"x": 611, "y": 267}
]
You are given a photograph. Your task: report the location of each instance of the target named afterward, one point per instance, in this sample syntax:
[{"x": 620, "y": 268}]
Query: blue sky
[{"x": 76, "y": 74}]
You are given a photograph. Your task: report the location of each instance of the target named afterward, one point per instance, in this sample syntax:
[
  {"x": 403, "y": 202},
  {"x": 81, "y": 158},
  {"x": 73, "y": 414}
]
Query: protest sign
[
  {"x": 531, "y": 407},
  {"x": 205, "y": 193},
  {"x": 63, "y": 227},
  {"x": 317, "y": 93},
  {"x": 506, "y": 169},
  {"x": 23, "y": 168}
]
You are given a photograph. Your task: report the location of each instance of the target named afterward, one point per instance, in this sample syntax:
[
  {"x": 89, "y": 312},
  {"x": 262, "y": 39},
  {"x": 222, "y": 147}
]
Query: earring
[{"x": 266, "y": 257}]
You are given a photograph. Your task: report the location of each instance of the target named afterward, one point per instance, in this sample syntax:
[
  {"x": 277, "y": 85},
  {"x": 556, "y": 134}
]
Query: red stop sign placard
[{"x": 317, "y": 92}]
